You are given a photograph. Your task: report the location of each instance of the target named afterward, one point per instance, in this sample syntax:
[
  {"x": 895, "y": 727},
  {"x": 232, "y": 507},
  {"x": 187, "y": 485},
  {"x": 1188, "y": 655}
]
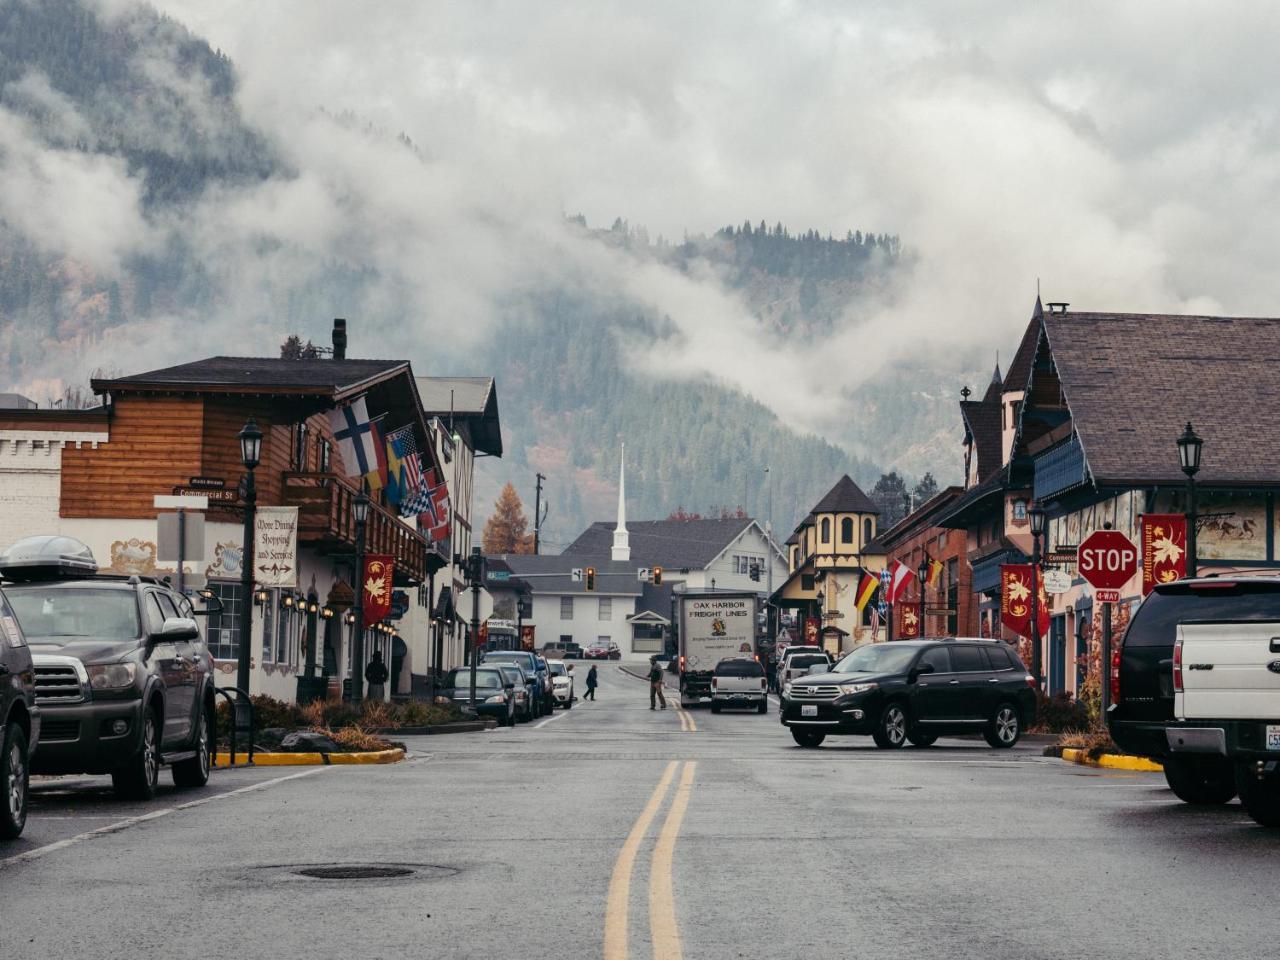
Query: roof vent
[
  {"x": 47, "y": 558},
  {"x": 339, "y": 339},
  {"x": 1058, "y": 306}
]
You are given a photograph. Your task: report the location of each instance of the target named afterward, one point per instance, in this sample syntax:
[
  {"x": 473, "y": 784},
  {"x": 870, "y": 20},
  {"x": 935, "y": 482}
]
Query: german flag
[
  {"x": 866, "y": 589},
  {"x": 935, "y": 571}
]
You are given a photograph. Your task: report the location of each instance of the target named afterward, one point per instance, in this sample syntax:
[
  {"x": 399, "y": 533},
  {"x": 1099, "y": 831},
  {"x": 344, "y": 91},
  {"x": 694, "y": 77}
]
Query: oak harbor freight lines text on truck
[{"x": 713, "y": 626}]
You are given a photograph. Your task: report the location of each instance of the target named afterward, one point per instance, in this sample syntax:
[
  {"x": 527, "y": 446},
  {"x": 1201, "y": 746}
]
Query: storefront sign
[
  {"x": 379, "y": 571},
  {"x": 1056, "y": 581},
  {"x": 275, "y": 547},
  {"x": 1164, "y": 549}
]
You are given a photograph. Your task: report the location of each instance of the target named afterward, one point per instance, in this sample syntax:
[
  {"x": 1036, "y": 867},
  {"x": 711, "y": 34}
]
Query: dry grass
[
  {"x": 1094, "y": 742},
  {"x": 356, "y": 739}
]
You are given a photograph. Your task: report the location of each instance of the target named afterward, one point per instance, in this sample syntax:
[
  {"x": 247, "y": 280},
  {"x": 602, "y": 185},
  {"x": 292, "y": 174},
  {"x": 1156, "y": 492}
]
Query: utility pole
[{"x": 537, "y": 514}]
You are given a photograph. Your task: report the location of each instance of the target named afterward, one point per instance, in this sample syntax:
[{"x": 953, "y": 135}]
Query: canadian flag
[{"x": 900, "y": 576}]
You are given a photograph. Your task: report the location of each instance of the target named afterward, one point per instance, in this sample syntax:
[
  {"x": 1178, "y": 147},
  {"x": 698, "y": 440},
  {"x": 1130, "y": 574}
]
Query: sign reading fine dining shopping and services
[{"x": 275, "y": 547}]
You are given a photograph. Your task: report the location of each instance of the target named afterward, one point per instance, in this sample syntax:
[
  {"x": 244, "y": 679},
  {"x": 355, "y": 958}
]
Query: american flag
[{"x": 411, "y": 485}]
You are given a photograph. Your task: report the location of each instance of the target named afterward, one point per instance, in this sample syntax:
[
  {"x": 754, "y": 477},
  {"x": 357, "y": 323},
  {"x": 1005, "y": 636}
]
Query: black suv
[
  {"x": 19, "y": 722},
  {"x": 916, "y": 690},
  {"x": 123, "y": 679}
]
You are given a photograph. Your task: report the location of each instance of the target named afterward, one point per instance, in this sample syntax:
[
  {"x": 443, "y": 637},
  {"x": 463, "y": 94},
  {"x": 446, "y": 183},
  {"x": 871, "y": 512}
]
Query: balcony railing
[{"x": 327, "y": 515}]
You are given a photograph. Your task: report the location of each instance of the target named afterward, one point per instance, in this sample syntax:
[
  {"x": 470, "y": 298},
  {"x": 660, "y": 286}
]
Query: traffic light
[
  {"x": 656, "y": 576},
  {"x": 755, "y": 572},
  {"x": 591, "y": 578}
]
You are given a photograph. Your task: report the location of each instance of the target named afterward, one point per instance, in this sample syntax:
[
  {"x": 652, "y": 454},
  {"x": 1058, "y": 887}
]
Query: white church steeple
[{"x": 621, "y": 539}]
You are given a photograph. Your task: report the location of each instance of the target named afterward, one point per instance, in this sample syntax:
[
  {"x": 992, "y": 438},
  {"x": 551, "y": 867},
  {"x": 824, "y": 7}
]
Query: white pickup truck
[{"x": 1226, "y": 700}]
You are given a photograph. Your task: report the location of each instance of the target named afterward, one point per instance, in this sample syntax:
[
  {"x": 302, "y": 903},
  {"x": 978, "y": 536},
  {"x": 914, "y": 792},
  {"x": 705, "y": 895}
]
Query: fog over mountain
[{"x": 418, "y": 168}]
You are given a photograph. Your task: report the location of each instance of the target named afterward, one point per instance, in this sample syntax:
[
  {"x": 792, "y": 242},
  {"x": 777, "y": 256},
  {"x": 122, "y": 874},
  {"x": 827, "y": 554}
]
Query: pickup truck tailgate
[{"x": 1227, "y": 671}]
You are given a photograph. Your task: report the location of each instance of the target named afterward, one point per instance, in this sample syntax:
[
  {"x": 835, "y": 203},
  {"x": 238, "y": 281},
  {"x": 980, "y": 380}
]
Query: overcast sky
[{"x": 1122, "y": 154}]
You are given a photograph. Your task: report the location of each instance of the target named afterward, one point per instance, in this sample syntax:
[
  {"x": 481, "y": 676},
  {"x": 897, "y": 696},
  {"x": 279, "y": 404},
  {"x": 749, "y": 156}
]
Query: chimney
[{"x": 339, "y": 339}]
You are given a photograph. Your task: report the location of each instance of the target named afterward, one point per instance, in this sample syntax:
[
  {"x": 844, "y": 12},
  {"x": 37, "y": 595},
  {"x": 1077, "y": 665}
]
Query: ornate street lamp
[
  {"x": 250, "y": 456},
  {"x": 922, "y": 572},
  {"x": 357, "y": 638},
  {"x": 1037, "y": 516},
  {"x": 1189, "y": 446}
]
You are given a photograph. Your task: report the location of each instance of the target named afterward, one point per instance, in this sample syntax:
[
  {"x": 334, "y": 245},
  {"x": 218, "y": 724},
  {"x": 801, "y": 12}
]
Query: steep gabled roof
[
  {"x": 1133, "y": 380},
  {"x": 982, "y": 423},
  {"x": 669, "y": 543},
  {"x": 1020, "y": 369},
  {"x": 470, "y": 400},
  {"x": 263, "y": 375},
  {"x": 846, "y": 497}
]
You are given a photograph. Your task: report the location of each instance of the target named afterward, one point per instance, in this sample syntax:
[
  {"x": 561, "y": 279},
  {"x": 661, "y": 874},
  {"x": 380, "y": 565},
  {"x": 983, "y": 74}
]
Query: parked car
[
  {"x": 916, "y": 690},
  {"x": 495, "y": 693},
  {"x": 1195, "y": 685},
  {"x": 19, "y": 722},
  {"x": 123, "y": 678},
  {"x": 562, "y": 683},
  {"x": 604, "y": 650},
  {"x": 739, "y": 682},
  {"x": 525, "y": 690},
  {"x": 797, "y": 663},
  {"x": 533, "y": 665}
]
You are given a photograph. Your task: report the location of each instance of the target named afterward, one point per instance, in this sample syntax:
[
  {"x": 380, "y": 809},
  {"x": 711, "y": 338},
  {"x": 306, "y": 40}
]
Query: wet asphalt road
[{"x": 614, "y": 831}]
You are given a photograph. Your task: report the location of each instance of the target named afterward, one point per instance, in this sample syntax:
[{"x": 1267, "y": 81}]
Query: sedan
[{"x": 495, "y": 695}]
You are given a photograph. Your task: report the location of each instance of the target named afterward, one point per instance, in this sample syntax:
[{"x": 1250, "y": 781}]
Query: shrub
[
  {"x": 1094, "y": 742},
  {"x": 1061, "y": 713}
]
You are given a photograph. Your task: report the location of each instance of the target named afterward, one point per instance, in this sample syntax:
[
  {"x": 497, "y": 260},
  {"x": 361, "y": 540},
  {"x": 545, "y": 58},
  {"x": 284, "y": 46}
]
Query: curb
[
  {"x": 1111, "y": 761},
  {"x": 314, "y": 759},
  {"x": 462, "y": 726}
]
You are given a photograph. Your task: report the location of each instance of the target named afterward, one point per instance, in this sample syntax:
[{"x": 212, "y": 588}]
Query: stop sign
[{"x": 1107, "y": 559}]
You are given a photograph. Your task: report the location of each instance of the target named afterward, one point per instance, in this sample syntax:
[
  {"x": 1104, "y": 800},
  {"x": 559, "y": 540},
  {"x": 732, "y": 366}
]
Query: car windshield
[
  {"x": 558, "y": 669},
  {"x": 524, "y": 659},
  {"x": 1156, "y": 622},
  {"x": 877, "y": 658},
  {"x": 461, "y": 677},
  {"x": 808, "y": 660},
  {"x": 739, "y": 668},
  {"x": 49, "y": 612}
]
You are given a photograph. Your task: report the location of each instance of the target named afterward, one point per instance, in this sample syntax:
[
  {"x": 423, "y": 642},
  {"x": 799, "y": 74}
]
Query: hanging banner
[
  {"x": 1164, "y": 549},
  {"x": 1015, "y": 599},
  {"x": 376, "y": 586},
  {"x": 275, "y": 547},
  {"x": 811, "y": 627},
  {"x": 910, "y": 622}
]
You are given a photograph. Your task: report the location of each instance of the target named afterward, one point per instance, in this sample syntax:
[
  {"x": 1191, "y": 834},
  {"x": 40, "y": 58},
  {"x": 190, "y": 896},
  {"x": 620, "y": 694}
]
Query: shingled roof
[
  {"x": 330, "y": 378},
  {"x": 982, "y": 423},
  {"x": 1019, "y": 374},
  {"x": 669, "y": 543},
  {"x": 1132, "y": 381},
  {"x": 846, "y": 497}
]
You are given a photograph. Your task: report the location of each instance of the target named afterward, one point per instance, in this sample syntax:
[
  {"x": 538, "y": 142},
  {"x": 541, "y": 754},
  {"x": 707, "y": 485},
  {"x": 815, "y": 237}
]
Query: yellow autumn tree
[{"x": 507, "y": 529}]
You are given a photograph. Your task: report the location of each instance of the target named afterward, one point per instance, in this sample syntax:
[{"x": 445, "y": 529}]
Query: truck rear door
[{"x": 1224, "y": 671}]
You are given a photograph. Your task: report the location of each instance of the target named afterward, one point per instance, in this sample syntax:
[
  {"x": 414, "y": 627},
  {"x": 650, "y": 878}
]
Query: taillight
[
  {"x": 1031, "y": 681},
  {"x": 682, "y": 662},
  {"x": 1177, "y": 666},
  {"x": 1115, "y": 675},
  {"x": 764, "y": 684},
  {"x": 715, "y": 682}
]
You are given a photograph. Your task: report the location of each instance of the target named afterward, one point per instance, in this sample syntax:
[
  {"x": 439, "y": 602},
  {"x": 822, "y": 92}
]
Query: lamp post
[
  {"x": 357, "y": 636},
  {"x": 313, "y": 624},
  {"x": 475, "y": 573},
  {"x": 250, "y": 456},
  {"x": 922, "y": 572},
  {"x": 1037, "y": 517},
  {"x": 1189, "y": 454}
]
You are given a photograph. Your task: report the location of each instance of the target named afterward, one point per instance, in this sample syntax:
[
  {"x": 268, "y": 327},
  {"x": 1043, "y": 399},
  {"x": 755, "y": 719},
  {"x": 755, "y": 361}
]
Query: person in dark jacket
[
  {"x": 592, "y": 680},
  {"x": 655, "y": 684},
  {"x": 376, "y": 676}
]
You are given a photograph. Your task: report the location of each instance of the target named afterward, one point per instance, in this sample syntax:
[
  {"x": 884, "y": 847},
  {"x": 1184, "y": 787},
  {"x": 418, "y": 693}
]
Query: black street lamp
[
  {"x": 1037, "y": 516},
  {"x": 357, "y": 635},
  {"x": 313, "y": 613},
  {"x": 1189, "y": 454},
  {"x": 922, "y": 572},
  {"x": 250, "y": 456},
  {"x": 475, "y": 573}
]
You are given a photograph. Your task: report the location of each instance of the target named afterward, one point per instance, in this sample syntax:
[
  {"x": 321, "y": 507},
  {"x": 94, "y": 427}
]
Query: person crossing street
[
  {"x": 655, "y": 685},
  {"x": 592, "y": 680}
]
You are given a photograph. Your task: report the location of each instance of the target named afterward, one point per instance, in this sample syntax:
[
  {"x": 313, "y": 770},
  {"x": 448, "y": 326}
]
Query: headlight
[
  {"x": 111, "y": 676},
  {"x": 786, "y": 687},
  {"x": 496, "y": 698},
  {"x": 847, "y": 688}
]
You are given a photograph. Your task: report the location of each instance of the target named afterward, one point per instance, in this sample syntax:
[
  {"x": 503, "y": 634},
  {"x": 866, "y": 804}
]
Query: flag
[
  {"x": 357, "y": 440},
  {"x": 434, "y": 518},
  {"x": 379, "y": 572},
  {"x": 875, "y": 620},
  {"x": 866, "y": 588},
  {"x": 1015, "y": 599},
  {"x": 935, "y": 571},
  {"x": 1164, "y": 549},
  {"x": 900, "y": 577},
  {"x": 404, "y": 469},
  {"x": 375, "y": 477}
]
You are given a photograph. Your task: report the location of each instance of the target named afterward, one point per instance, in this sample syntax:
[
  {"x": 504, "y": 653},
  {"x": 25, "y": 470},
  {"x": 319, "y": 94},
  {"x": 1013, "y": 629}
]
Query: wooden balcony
[{"x": 327, "y": 518}]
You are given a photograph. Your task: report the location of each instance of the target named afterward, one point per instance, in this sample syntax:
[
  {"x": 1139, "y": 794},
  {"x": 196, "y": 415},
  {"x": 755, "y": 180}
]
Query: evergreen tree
[
  {"x": 890, "y": 495},
  {"x": 506, "y": 530},
  {"x": 926, "y": 489}
]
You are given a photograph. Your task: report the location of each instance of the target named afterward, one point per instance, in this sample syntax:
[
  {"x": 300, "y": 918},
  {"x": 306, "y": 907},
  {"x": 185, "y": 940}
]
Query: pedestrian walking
[
  {"x": 592, "y": 680},
  {"x": 375, "y": 674},
  {"x": 655, "y": 685}
]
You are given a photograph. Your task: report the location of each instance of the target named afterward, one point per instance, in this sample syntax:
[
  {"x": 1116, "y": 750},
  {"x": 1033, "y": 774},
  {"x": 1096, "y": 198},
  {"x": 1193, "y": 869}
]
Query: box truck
[{"x": 713, "y": 626}]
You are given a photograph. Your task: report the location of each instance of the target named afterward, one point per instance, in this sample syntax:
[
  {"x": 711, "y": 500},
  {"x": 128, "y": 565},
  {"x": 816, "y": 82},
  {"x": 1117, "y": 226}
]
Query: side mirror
[
  {"x": 176, "y": 630},
  {"x": 914, "y": 674}
]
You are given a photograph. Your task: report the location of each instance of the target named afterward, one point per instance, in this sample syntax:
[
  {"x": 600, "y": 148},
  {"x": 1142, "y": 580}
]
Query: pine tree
[
  {"x": 506, "y": 530},
  {"x": 926, "y": 489}
]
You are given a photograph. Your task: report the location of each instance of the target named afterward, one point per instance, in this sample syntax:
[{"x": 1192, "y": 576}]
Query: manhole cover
[{"x": 355, "y": 873}]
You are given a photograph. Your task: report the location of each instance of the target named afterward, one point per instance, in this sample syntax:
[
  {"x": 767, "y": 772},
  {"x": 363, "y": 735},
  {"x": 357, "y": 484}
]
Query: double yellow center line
[
  {"x": 687, "y": 723},
  {"x": 663, "y": 929}
]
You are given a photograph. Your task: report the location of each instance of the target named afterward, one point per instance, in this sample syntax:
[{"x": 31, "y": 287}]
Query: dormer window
[{"x": 1020, "y": 510}]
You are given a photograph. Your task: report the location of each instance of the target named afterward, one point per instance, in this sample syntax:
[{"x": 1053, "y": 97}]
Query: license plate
[
  {"x": 809, "y": 710},
  {"x": 1273, "y": 736}
]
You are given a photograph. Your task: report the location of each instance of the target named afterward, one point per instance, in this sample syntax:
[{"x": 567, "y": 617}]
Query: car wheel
[
  {"x": 14, "y": 781},
  {"x": 138, "y": 778},
  {"x": 891, "y": 730},
  {"x": 715, "y": 708},
  {"x": 919, "y": 738},
  {"x": 568, "y": 704},
  {"x": 1203, "y": 781},
  {"x": 764, "y": 706},
  {"x": 807, "y": 738},
  {"x": 1005, "y": 728},
  {"x": 195, "y": 772},
  {"x": 1261, "y": 798}
]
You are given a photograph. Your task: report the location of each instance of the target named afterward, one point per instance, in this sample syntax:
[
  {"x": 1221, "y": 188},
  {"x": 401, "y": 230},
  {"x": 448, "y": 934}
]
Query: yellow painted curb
[
  {"x": 1112, "y": 761},
  {"x": 314, "y": 759}
]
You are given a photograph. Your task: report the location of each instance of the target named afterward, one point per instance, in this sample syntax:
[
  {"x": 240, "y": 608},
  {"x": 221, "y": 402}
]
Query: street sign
[
  {"x": 644, "y": 574},
  {"x": 1057, "y": 581},
  {"x": 1106, "y": 596},
  {"x": 1107, "y": 559},
  {"x": 940, "y": 611},
  {"x": 1064, "y": 555},
  {"x": 275, "y": 548},
  {"x": 497, "y": 574},
  {"x": 212, "y": 496},
  {"x": 576, "y": 574},
  {"x": 179, "y": 539},
  {"x": 207, "y": 483},
  {"x": 399, "y": 604},
  {"x": 191, "y": 502}
]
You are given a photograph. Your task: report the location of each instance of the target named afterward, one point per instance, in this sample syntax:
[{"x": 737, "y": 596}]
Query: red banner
[
  {"x": 1164, "y": 549},
  {"x": 376, "y": 586},
  {"x": 811, "y": 628},
  {"x": 1015, "y": 599},
  {"x": 908, "y": 621},
  {"x": 526, "y": 636}
]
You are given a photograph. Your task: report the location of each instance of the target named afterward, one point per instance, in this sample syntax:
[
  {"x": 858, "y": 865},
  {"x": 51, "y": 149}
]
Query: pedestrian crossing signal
[
  {"x": 591, "y": 578},
  {"x": 656, "y": 576}
]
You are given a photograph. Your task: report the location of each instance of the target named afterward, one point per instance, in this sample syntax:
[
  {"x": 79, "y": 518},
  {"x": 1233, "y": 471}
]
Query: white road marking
[
  {"x": 556, "y": 716},
  {"x": 49, "y": 848}
]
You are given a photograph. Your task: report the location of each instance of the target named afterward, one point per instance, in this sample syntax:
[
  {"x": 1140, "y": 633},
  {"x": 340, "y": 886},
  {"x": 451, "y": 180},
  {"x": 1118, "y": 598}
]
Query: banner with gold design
[
  {"x": 1164, "y": 549},
  {"x": 910, "y": 621},
  {"x": 1015, "y": 599},
  {"x": 379, "y": 570}
]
